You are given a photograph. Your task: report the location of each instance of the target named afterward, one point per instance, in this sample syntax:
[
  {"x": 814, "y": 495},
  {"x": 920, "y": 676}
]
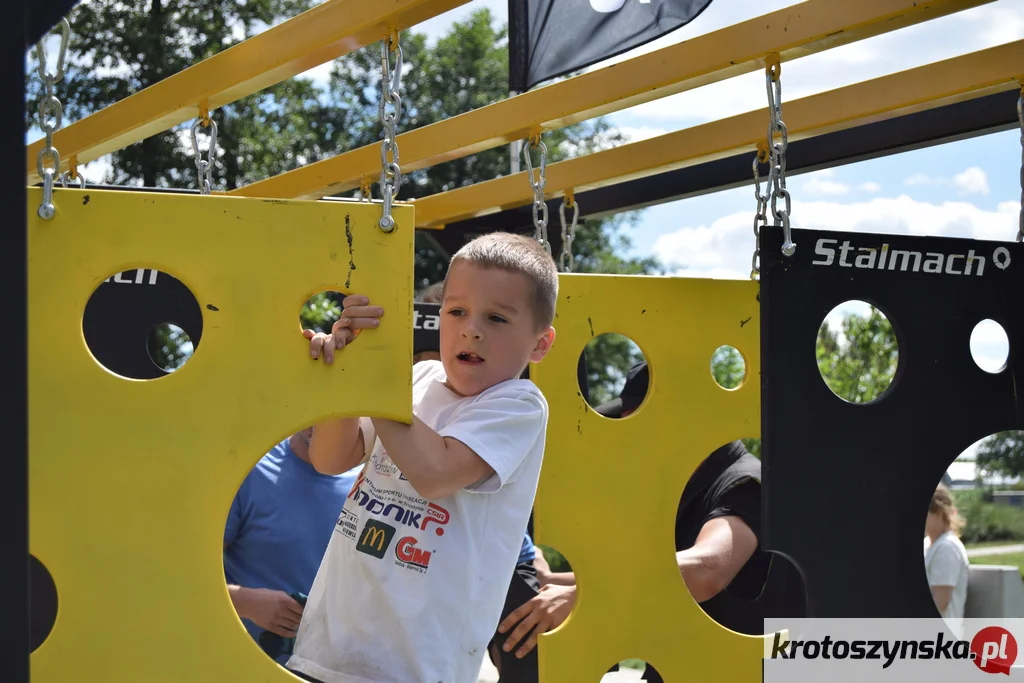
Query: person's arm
[
  {"x": 942, "y": 595},
  {"x": 547, "y": 577},
  {"x": 481, "y": 448},
  {"x": 723, "y": 546},
  {"x": 434, "y": 465},
  {"x": 337, "y": 446},
  {"x": 943, "y": 571}
]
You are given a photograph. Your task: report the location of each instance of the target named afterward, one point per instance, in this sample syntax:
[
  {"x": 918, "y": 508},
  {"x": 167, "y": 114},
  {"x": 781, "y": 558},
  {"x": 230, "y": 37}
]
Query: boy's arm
[
  {"x": 481, "y": 448},
  {"x": 337, "y": 446},
  {"x": 436, "y": 466}
]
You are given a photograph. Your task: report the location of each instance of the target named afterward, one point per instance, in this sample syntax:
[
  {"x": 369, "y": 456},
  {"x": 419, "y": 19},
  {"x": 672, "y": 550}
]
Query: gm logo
[
  {"x": 375, "y": 538},
  {"x": 407, "y": 553}
]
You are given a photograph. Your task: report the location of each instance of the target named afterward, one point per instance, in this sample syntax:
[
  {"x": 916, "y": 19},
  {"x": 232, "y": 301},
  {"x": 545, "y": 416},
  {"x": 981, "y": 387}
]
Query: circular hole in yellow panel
[
  {"x": 616, "y": 375},
  {"x": 143, "y": 323},
  {"x": 722, "y": 499},
  {"x": 278, "y": 527},
  {"x": 728, "y": 367}
]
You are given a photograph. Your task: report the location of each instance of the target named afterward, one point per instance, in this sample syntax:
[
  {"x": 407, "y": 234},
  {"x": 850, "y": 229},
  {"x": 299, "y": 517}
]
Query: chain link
[
  {"x": 51, "y": 117},
  {"x": 777, "y": 177},
  {"x": 761, "y": 217},
  {"x": 540, "y": 208},
  {"x": 566, "y": 262},
  {"x": 390, "y": 169},
  {"x": 204, "y": 167},
  {"x": 1020, "y": 119}
]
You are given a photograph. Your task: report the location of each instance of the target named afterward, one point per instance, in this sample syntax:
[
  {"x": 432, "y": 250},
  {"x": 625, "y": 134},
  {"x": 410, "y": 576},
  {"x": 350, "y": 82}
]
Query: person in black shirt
[{"x": 718, "y": 525}]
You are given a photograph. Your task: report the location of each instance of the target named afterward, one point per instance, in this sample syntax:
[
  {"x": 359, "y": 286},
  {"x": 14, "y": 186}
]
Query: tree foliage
[
  {"x": 1002, "y": 453},
  {"x": 859, "y": 360}
]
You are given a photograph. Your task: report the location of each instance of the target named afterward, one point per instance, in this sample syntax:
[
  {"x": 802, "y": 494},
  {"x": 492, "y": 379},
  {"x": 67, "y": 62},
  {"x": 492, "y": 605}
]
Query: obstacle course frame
[{"x": 965, "y": 96}]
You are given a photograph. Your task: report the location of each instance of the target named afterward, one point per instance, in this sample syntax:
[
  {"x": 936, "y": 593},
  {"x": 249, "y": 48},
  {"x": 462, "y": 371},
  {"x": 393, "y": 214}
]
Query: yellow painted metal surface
[
  {"x": 131, "y": 481},
  {"x": 317, "y": 36},
  {"x": 796, "y": 31},
  {"x": 961, "y": 78},
  {"x": 609, "y": 488}
]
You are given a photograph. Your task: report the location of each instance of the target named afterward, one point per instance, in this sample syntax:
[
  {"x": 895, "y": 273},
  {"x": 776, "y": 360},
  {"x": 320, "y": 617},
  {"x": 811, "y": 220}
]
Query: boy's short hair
[{"x": 517, "y": 254}]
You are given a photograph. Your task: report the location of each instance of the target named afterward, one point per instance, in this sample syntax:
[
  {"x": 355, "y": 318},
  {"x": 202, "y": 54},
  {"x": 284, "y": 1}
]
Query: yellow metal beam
[
  {"x": 324, "y": 33},
  {"x": 961, "y": 78},
  {"x": 792, "y": 32}
]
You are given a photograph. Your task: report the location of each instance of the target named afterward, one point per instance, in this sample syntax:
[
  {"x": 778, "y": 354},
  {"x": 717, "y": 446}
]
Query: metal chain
[
  {"x": 51, "y": 116},
  {"x": 540, "y": 208},
  {"x": 390, "y": 170},
  {"x": 72, "y": 174},
  {"x": 761, "y": 217},
  {"x": 566, "y": 262},
  {"x": 204, "y": 167},
  {"x": 1020, "y": 119},
  {"x": 773, "y": 79}
]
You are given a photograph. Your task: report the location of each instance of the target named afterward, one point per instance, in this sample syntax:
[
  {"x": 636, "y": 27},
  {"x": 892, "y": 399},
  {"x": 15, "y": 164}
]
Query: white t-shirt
[
  {"x": 946, "y": 564},
  {"x": 411, "y": 590}
]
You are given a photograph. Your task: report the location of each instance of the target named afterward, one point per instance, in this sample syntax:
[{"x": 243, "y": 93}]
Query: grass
[
  {"x": 1006, "y": 559},
  {"x": 991, "y": 544}
]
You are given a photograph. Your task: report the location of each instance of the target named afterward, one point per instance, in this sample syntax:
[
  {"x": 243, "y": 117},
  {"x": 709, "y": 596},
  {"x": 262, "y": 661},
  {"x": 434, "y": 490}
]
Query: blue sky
[{"x": 964, "y": 189}]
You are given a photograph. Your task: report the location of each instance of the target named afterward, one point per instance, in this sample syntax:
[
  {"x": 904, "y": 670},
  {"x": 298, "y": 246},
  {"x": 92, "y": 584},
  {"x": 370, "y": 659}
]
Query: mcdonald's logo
[{"x": 375, "y": 538}]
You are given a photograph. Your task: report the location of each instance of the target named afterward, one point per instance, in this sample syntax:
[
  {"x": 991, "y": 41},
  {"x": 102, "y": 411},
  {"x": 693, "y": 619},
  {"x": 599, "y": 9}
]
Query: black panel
[
  {"x": 123, "y": 311},
  {"x": 44, "y": 603},
  {"x": 848, "y": 486},
  {"x": 14, "y": 664},
  {"x": 426, "y": 327}
]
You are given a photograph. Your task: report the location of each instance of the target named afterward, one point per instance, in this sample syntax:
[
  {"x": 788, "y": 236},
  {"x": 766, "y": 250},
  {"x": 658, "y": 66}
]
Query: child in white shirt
[{"x": 415, "y": 575}]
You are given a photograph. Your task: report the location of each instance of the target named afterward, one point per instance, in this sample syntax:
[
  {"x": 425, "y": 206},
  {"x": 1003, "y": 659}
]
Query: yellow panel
[
  {"x": 796, "y": 31},
  {"x": 609, "y": 489},
  {"x": 131, "y": 481},
  {"x": 317, "y": 36},
  {"x": 961, "y": 78}
]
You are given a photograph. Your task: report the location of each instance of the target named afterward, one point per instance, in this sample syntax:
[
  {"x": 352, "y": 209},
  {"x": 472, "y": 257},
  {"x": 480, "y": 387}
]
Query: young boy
[{"x": 415, "y": 575}]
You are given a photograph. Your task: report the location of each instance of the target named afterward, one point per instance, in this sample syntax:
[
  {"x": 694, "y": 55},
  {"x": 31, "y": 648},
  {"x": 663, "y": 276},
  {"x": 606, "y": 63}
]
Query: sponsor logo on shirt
[
  {"x": 375, "y": 539},
  {"x": 410, "y": 556},
  {"x": 397, "y": 505},
  {"x": 347, "y": 523},
  {"x": 383, "y": 465}
]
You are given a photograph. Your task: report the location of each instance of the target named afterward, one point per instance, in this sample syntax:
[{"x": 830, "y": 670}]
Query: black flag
[{"x": 550, "y": 38}]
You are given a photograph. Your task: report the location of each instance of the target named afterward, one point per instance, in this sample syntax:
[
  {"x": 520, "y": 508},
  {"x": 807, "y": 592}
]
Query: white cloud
[
  {"x": 727, "y": 244},
  {"x": 972, "y": 181},
  {"x": 937, "y": 39},
  {"x": 827, "y": 187},
  {"x": 922, "y": 179},
  {"x": 870, "y": 186}
]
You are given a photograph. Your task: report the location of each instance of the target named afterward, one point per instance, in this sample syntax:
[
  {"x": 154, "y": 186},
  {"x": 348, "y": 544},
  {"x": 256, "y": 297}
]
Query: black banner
[{"x": 548, "y": 39}]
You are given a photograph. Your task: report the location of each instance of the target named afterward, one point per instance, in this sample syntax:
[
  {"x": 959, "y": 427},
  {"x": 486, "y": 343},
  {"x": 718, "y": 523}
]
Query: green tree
[
  {"x": 118, "y": 48},
  {"x": 858, "y": 364},
  {"x": 1002, "y": 454}
]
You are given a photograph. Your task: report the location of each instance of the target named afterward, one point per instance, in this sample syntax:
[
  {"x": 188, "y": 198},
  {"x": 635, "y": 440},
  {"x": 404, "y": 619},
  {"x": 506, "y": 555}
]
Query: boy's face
[{"x": 488, "y": 332}]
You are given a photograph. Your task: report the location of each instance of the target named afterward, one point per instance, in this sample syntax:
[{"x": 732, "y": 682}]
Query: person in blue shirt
[{"x": 277, "y": 531}]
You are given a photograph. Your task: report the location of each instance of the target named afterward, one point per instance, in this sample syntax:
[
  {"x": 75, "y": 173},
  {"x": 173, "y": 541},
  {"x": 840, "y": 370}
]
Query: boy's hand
[{"x": 357, "y": 315}]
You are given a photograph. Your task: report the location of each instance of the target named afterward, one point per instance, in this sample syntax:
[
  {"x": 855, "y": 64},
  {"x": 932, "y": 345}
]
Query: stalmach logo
[{"x": 848, "y": 255}]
